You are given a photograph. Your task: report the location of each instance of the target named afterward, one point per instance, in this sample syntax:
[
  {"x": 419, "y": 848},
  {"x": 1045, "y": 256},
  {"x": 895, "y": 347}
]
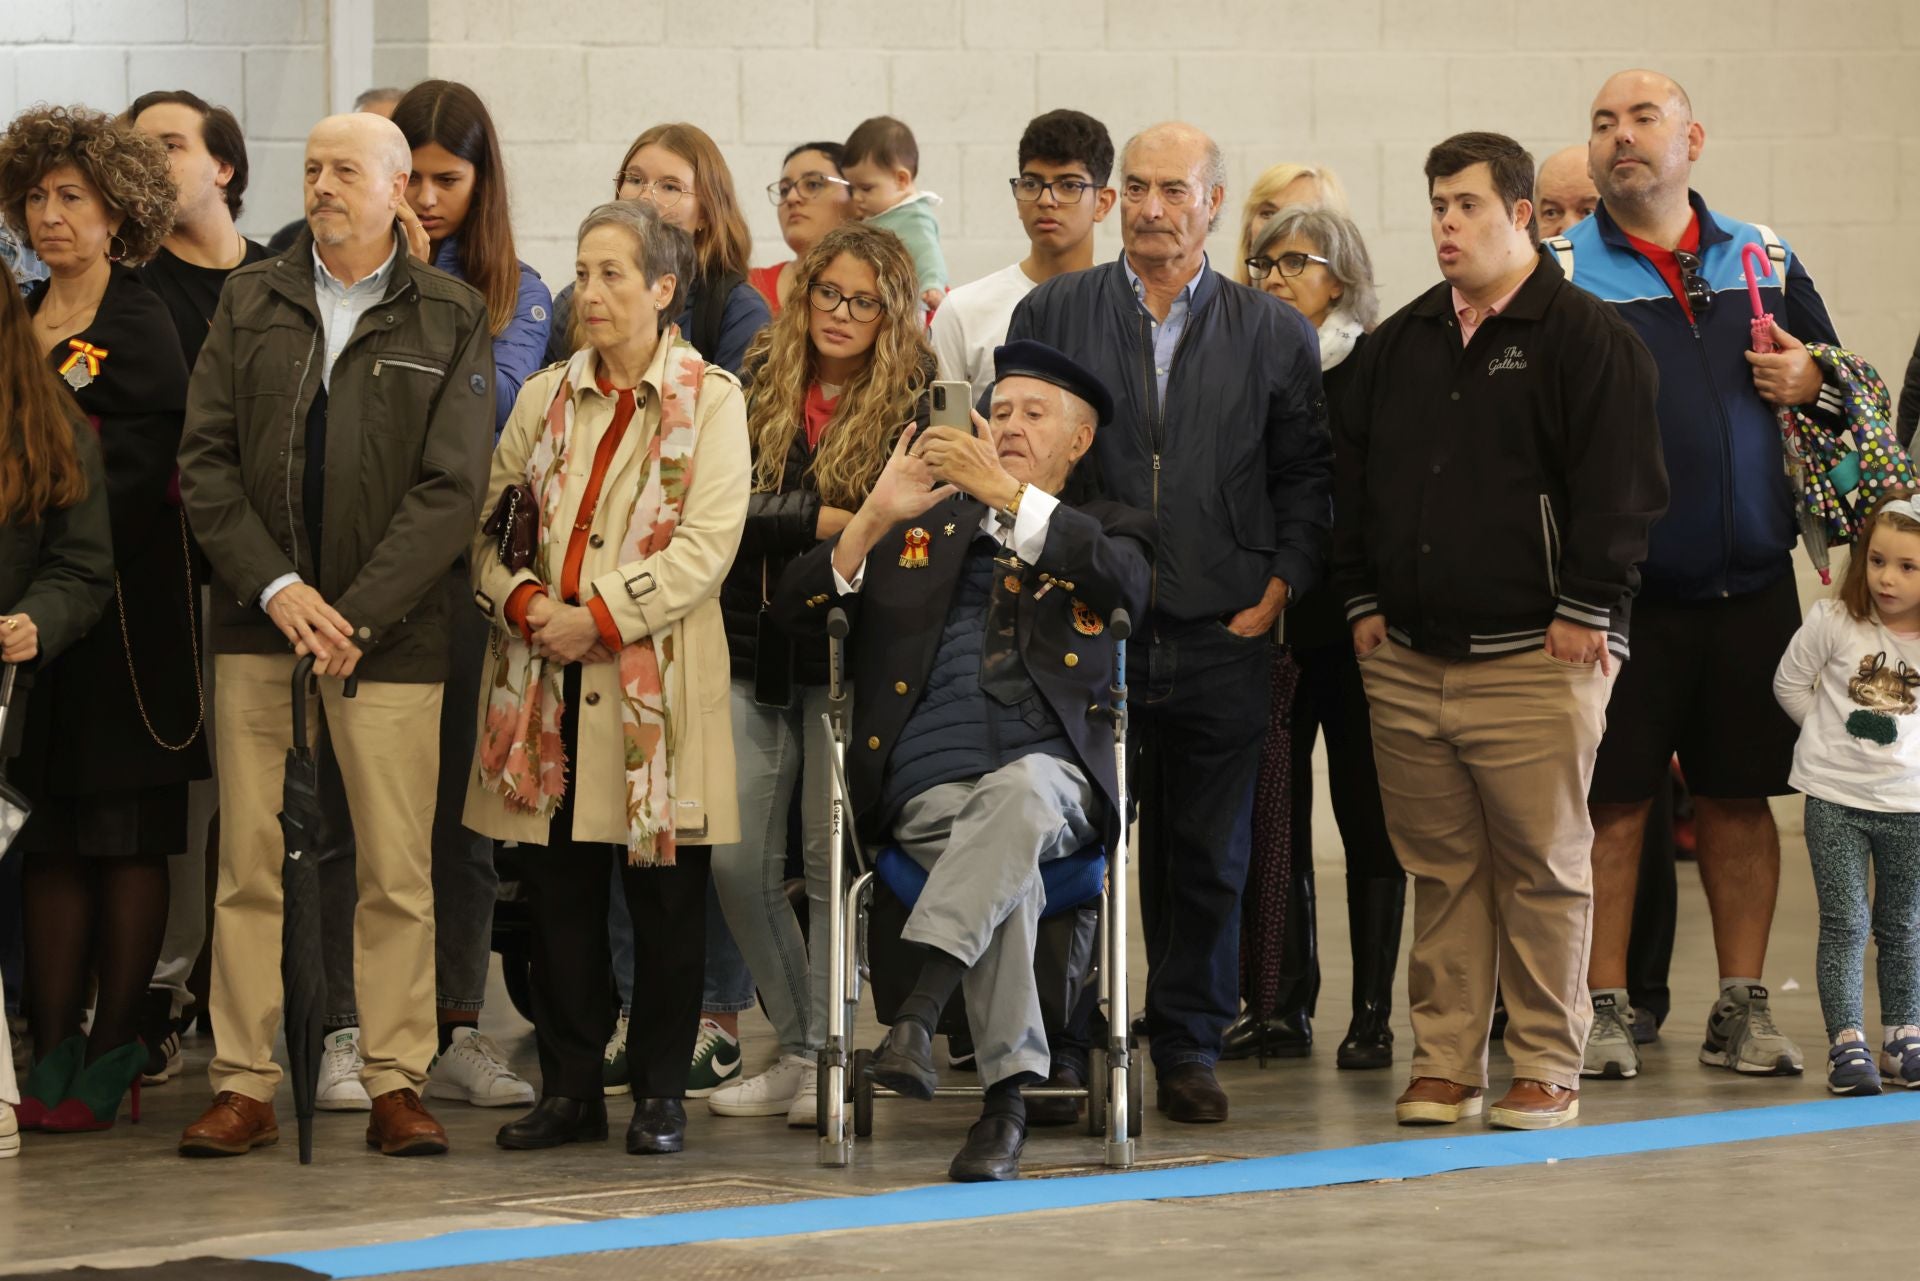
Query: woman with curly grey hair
[{"x": 113, "y": 727}]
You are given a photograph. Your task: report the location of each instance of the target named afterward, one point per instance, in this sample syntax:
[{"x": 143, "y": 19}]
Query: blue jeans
[{"x": 1199, "y": 717}]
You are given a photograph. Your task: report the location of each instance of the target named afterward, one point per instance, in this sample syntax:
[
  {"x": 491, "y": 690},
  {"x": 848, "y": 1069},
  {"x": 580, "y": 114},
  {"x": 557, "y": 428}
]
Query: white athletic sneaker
[
  {"x": 474, "y": 1071},
  {"x": 767, "y": 1094},
  {"x": 340, "y": 1089},
  {"x": 9, "y": 1132},
  {"x": 805, "y": 1112},
  {"x": 614, "y": 1077},
  {"x": 1741, "y": 1035}
]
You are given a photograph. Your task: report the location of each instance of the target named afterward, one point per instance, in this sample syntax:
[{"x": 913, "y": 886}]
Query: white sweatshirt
[{"x": 1852, "y": 686}]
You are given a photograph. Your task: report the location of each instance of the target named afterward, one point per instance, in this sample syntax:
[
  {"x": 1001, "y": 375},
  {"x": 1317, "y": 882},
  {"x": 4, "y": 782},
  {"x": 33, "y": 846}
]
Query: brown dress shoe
[
  {"x": 232, "y": 1125},
  {"x": 1534, "y": 1105},
  {"x": 1434, "y": 1100},
  {"x": 402, "y": 1126}
]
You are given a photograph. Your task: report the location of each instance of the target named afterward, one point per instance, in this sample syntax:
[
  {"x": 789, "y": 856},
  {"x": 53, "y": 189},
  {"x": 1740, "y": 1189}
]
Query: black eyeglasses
[
  {"x": 1699, "y": 292},
  {"x": 826, "y": 298},
  {"x": 1289, "y": 264},
  {"x": 812, "y": 186},
  {"x": 1068, "y": 191}
]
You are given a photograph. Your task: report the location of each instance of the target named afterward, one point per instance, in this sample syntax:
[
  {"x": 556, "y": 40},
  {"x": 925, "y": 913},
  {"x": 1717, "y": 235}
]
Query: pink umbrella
[{"x": 1800, "y": 462}]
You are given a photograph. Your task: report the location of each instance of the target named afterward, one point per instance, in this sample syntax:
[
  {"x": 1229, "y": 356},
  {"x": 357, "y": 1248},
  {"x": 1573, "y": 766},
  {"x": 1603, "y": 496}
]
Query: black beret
[{"x": 1030, "y": 359}]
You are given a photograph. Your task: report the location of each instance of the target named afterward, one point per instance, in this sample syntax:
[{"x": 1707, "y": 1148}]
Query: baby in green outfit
[{"x": 881, "y": 162}]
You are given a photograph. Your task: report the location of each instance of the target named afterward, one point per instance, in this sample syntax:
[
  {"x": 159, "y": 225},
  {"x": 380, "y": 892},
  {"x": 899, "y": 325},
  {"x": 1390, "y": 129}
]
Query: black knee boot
[{"x": 1375, "y": 907}]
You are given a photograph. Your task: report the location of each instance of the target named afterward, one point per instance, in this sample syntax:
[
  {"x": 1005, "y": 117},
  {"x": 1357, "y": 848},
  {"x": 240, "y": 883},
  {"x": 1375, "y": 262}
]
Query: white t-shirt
[
  {"x": 973, "y": 320},
  {"x": 1853, "y": 688}
]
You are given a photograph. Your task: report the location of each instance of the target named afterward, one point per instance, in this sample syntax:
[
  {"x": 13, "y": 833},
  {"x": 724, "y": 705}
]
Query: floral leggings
[{"x": 1842, "y": 841}]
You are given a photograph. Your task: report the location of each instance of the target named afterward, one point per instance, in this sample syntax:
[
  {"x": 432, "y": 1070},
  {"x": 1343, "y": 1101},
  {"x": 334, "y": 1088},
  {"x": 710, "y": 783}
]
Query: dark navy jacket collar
[
  {"x": 1711, "y": 232},
  {"x": 1203, "y": 286}
]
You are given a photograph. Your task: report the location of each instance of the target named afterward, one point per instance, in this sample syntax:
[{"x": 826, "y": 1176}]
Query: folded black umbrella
[{"x": 1263, "y": 911}]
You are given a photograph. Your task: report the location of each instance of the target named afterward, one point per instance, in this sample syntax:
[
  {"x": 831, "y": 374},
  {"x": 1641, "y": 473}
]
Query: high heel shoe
[
  {"x": 48, "y": 1083},
  {"x": 93, "y": 1100}
]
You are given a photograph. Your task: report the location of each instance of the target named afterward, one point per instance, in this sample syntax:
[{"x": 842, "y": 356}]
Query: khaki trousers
[
  {"x": 1484, "y": 766},
  {"x": 387, "y": 739}
]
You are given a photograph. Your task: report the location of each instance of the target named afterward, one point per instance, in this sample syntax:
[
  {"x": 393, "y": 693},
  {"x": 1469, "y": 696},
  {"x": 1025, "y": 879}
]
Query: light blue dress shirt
[{"x": 1166, "y": 333}]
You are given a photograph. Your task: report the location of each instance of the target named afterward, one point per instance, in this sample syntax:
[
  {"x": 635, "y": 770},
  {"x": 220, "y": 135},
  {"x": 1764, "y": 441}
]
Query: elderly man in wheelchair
[{"x": 980, "y": 743}]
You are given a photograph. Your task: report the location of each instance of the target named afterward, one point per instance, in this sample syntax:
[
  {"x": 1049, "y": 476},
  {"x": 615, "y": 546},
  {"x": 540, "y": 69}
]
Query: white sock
[
  {"x": 1893, "y": 1033},
  {"x": 1849, "y": 1034}
]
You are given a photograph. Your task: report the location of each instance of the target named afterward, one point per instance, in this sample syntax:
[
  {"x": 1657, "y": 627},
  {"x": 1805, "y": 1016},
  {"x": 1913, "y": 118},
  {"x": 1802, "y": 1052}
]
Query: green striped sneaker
[{"x": 716, "y": 1060}]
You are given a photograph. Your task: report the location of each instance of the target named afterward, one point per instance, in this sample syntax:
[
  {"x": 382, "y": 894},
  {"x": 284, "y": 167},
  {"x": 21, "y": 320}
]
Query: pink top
[{"x": 1469, "y": 322}]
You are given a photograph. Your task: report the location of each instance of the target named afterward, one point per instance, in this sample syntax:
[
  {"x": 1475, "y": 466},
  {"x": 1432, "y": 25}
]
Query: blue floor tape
[{"x": 950, "y": 1202}]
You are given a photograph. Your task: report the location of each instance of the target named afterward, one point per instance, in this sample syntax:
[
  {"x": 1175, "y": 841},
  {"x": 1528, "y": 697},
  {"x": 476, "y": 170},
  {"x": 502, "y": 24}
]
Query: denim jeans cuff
[
  {"x": 727, "y": 1007},
  {"x": 1179, "y": 1058},
  {"x": 463, "y": 1007}
]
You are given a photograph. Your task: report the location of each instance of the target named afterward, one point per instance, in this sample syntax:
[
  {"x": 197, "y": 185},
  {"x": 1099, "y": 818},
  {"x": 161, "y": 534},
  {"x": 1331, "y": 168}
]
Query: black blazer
[{"x": 1097, "y": 554}]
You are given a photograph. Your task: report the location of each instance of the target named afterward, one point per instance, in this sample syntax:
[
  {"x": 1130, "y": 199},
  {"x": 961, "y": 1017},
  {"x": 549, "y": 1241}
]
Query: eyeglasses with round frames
[
  {"x": 825, "y": 298},
  {"x": 812, "y": 186},
  {"x": 665, "y": 194}
]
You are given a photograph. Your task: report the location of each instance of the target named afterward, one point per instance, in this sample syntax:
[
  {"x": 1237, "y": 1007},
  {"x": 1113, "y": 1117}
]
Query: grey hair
[
  {"x": 1216, "y": 162},
  {"x": 369, "y": 97},
  {"x": 1340, "y": 244},
  {"x": 660, "y": 248}
]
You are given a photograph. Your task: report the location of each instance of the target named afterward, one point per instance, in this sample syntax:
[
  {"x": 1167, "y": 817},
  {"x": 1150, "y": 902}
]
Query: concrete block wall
[{"x": 1812, "y": 110}]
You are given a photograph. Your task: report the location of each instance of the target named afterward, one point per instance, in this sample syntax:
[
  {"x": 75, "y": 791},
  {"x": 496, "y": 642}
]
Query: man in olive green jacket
[{"x": 338, "y": 431}]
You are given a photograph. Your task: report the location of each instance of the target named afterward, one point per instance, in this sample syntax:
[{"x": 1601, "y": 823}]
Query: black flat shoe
[
  {"x": 658, "y": 1125},
  {"x": 554, "y": 1121},
  {"x": 1369, "y": 1042},
  {"x": 1191, "y": 1094},
  {"x": 1054, "y": 1111},
  {"x": 1284, "y": 1036},
  {"x": 904, "y": 1061},
  {"x": 992, "y": 1151}
]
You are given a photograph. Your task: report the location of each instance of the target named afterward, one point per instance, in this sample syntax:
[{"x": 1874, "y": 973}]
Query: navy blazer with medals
[{"x": 1095, "y": 558}]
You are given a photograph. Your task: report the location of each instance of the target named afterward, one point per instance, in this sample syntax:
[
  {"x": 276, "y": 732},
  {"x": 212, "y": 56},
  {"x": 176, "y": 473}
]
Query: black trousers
[
  {"x": 1656, "y": 913},
  {"x": 572, "y": 977},
  {"x": 1332, "y": 701}
]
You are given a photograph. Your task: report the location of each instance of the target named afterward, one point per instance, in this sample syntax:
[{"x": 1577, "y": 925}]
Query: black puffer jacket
[{"x": 780, "y": 528}]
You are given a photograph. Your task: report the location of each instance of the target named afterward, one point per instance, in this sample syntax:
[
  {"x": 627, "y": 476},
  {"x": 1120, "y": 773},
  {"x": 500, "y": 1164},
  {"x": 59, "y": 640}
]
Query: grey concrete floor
[{"x": 1783, "y": 1207}]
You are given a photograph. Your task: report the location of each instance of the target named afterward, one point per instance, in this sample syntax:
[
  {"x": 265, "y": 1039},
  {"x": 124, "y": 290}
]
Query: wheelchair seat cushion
[{"x": 1068, "y": 882}]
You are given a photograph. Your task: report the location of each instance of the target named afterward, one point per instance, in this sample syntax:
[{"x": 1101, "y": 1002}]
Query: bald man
[
  {"x": 329, "y": 536},
  {"x": 1219, "y": 429},
  {"x": 1563, "y": 194},
  {"x": 1717, "y": 604}
]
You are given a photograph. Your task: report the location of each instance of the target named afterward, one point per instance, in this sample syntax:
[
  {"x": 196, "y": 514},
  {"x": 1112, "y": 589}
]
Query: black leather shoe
[
  {"x": 554, "y": 1121},
  {"x": 1191, "y": 1094},
  {"x": 1369, "y": 1042},
  {"x": 904, "y": 1061},
  {"x": 992, "y": 1151},
  {"x": 1050, "y": 1111},
  {"x": 658, "y": 1125},
  {"x": 1375, "y": 908},
  {"x": 1285, "y": 1036}
]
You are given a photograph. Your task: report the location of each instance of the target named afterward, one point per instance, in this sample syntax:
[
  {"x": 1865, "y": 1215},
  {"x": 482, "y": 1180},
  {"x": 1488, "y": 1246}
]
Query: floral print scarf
[{"x": 521, "y": 756}]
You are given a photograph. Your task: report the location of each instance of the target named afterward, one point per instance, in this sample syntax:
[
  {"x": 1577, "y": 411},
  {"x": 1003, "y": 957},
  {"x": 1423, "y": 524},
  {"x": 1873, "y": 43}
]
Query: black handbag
[{"x": 515, "y": 527}]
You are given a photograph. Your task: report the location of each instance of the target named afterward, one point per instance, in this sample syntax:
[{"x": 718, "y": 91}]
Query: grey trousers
[{"x": 982, "y": 844}]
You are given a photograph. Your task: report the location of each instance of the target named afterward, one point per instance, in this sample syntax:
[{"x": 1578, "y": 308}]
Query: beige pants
[
  {"x": 1484, "y": 766},
  {"x": 387, "y": 739}
]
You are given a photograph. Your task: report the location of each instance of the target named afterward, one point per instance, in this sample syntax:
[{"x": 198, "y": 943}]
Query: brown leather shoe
[
  {"x": 1434, "y": 1100},
  {"x": 1534, "y": 1105},
  {"x": 402, "y": 1126},
  {"x": 232, "y": 1125}
]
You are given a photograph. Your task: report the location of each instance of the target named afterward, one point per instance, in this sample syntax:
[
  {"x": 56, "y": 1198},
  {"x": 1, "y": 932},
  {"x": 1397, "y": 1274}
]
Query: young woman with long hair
[{"x": 834, "y": 379}]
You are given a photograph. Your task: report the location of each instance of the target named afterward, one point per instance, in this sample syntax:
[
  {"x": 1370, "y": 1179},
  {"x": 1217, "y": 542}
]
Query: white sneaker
[
  {"x": 805, "y": 1112},
  {"x": 340, "y": 1089},
  {"x": 474, "y": 1071},
  {"x": 9, "y": 1132},
  {"x": 767, "y": 1094}
]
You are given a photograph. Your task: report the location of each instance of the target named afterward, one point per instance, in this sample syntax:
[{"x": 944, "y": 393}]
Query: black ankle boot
[
  {"x": 1375, "y": 908},
  {"x": 555, "y": 1121},
  {"x": 658, "y": 1126}
]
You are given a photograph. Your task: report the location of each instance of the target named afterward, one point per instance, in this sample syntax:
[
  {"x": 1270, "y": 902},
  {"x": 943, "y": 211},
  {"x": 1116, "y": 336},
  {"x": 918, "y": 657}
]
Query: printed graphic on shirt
[
  {"x": 1884, "y": 692},
  {"x": 1511, "y": 358}
]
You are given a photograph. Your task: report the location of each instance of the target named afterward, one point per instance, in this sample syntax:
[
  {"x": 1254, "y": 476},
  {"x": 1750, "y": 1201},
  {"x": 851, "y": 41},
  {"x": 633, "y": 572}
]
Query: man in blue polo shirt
[{"x": 1718, "y": 602}]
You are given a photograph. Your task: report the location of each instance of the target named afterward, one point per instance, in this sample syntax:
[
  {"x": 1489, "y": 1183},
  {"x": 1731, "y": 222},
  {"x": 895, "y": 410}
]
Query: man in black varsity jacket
[{"x": 1497, "y": 472}]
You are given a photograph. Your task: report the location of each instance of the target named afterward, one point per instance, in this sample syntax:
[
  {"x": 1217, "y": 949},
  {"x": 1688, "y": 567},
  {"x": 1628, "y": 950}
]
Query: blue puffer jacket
[
  {"x": 520, "y": 349},
  {"x": 1730, "y": 520}
]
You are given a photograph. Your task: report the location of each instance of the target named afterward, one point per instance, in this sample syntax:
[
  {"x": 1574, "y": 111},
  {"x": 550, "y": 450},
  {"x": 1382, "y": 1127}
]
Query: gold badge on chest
[{"x": 1085, "y": 621}]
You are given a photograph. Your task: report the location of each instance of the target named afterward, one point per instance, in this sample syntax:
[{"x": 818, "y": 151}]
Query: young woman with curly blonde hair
[{"x": 833, "y": 382}]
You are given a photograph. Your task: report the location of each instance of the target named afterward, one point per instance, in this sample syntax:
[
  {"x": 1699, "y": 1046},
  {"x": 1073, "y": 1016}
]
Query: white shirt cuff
[
  {"x": 1030, "y": 526},
  {"x": 275, "y": 587},
  {"x": 849, "y": 587}
]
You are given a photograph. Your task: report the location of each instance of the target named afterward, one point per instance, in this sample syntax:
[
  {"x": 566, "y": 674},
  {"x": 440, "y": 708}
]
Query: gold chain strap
[{"x": 193, "y": 637}]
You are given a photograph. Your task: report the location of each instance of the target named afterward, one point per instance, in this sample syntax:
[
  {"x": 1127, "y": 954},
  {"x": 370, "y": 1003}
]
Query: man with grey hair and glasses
[
  {"x": 1219, "y": 430},
  {"x": 329, "y": 535}
]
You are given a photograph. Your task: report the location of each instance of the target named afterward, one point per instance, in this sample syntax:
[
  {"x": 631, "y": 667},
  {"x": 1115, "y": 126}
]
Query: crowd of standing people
[{"x": 558, "y": 562}]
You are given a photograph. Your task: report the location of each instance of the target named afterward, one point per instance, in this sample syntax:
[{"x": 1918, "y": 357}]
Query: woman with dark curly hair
[
  {"x": 834, "y": 378},
  {"x": 113, "y": 730}
]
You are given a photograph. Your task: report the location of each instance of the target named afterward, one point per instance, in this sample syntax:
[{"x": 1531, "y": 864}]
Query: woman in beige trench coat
[{"x": 604, "y": 727}]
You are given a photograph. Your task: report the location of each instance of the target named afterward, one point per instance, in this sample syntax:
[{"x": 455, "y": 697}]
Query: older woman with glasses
[
  {"x": 679, "y": 170},
  {"x": 1313, "y": 259},
  {"x": 813, "y": 197}
]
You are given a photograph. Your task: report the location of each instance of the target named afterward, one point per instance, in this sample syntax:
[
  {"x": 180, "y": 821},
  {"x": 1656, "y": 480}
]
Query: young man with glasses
[
  {"x": 1719, "y": 603},
  {"x": 1061, "y": 192}
]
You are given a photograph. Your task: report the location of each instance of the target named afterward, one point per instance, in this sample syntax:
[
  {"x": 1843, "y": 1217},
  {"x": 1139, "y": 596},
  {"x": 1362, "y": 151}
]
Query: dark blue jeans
[{"x": 1199, "y": 716}]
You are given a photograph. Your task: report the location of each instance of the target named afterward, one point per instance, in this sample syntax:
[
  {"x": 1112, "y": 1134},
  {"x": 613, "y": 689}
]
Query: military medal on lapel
[
  {"x": 1085, "y": 621},
  {"x": 82, "y": 364},
  {"x": 914, "y": 554},
  {"x": 1012, "y": 583}
]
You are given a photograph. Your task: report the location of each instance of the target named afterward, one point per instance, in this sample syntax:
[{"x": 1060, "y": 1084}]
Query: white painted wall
[{"x": 1812, "y": 109}]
